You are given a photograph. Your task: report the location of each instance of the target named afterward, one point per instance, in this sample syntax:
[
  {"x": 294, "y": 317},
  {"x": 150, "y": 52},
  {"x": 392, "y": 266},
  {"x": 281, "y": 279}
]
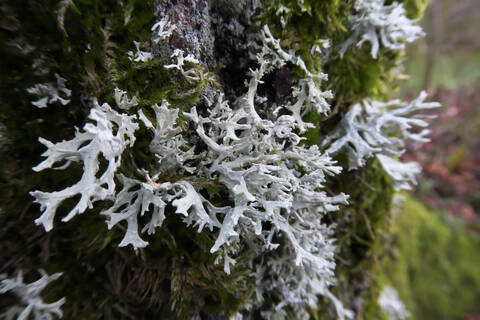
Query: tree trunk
[{"x": 90, "y": 44}]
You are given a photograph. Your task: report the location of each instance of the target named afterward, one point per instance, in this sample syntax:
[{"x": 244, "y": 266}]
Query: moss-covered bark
[
  {"x": 176, "y": 277},
  {"x": 86, "y": 42}
]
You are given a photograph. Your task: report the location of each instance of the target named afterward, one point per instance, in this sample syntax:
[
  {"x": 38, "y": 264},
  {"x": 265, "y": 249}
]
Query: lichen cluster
[
  {"x": 235, "y": 184},
  {"x": 29, "y": 295}
]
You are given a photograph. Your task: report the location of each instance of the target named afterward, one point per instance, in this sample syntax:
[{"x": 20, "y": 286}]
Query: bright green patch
[{"x": 433, "y": 264}]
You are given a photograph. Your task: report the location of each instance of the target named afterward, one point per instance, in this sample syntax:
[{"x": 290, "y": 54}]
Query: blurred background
[
  {"x": 435, "y": 263},
  {"x": 447, "y": 63}
]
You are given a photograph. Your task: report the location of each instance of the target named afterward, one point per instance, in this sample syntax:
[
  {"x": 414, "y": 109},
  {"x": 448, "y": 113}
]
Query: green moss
[
  {"x": 361, "y": 230},
  {"x": 433, "y": 264},
  {"x": 415, "y": 8},
  {"x": 357, "y": 75}
]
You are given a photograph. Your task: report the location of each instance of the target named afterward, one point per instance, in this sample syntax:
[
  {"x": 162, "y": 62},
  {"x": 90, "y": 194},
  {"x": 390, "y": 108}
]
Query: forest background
[{"x": 439, "y": 239}]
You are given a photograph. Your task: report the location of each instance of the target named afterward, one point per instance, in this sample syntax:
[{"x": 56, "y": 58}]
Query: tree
[{"x": 238, "y": 152}]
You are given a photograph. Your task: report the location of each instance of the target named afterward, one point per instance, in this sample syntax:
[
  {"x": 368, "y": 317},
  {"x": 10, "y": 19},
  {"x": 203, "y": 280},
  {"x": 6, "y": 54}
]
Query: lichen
[{"x": 29, "y": 296}]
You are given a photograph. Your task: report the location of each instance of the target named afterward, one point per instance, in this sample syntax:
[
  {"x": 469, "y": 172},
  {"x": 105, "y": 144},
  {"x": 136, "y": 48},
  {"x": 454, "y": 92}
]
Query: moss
[
  {"x": 362, "y": 228},
  {"x": 357, "y": 75},
  {"x": 433, "y": 264},
  {"x": 415, "y": 8}
]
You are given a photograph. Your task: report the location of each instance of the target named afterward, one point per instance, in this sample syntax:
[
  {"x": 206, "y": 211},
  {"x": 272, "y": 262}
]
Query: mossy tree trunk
[{"x": 87, "y": 43}]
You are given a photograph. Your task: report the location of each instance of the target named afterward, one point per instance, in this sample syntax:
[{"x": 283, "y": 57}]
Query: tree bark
[{"x": 87, "y": 42}]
